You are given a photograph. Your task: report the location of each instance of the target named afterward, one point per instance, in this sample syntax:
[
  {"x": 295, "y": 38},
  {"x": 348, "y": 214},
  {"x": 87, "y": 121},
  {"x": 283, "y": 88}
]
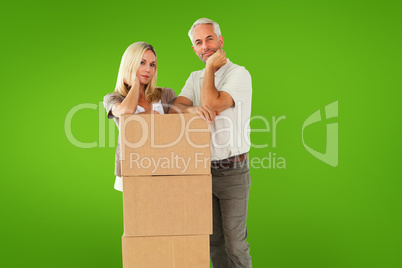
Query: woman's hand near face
[
  {"x": 129, "y": 104},
  {"x": 136, "y": 83}
]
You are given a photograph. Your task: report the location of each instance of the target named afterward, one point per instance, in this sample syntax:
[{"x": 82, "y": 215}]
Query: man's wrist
[
  {"x": 189, "y": 109},
  {"x": 210, "y": 68}
]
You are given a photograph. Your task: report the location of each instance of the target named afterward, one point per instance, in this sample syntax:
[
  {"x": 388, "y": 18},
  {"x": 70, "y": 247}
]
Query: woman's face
[{"x": 147, "y": 67}]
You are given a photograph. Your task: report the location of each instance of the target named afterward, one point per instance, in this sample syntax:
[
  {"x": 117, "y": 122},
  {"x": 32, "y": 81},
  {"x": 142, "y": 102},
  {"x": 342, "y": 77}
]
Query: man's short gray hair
[{"x": 217, "y": 30}]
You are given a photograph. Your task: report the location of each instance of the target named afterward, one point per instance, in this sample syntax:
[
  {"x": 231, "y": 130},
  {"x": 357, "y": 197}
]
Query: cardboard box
[
  {"x": 167, "y": 205},
  {"x": 166, "y": 252},
  {"x": 164, "y": 144}
]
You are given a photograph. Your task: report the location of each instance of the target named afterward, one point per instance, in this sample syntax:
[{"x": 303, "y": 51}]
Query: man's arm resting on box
[{"x": 185, "y": 105}]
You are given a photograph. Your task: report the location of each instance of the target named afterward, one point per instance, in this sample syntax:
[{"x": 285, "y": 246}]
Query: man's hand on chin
[{"x": 216, "y": 60}]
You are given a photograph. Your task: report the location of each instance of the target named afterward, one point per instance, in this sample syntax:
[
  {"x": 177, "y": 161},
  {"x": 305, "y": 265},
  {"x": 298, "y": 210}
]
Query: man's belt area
[{"x": 229, "y": 162}]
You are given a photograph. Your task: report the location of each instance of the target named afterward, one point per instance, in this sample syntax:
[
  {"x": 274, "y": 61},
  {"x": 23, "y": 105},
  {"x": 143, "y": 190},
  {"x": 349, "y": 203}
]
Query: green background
[{"x": 59, "y": 208}]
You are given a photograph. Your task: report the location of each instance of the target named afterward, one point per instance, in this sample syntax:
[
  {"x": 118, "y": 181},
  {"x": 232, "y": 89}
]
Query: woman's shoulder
[
  {"x": 112, "y": 97},
  {"x": 114, "y": 94},
  {"x": 168, "y": 97},
  {"x": 167, "y": 92}
]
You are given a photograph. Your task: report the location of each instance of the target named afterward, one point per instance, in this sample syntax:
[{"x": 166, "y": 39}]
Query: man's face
[{"x": 205, "y": 41}]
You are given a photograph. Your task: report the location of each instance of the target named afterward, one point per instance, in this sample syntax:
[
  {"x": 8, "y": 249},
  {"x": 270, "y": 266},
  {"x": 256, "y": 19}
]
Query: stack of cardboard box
[{"x": 167, "y": 191}]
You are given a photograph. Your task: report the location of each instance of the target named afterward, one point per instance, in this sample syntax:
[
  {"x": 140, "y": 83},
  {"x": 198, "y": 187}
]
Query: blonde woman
[{"x": 136, "y": 92}]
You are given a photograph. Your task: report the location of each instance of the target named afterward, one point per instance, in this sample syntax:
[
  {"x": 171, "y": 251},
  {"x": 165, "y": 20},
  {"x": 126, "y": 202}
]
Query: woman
[{"x": 135, "y": 91}]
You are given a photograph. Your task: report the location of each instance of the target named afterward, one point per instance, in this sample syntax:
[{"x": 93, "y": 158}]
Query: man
[{"x": 221, "y": 95}]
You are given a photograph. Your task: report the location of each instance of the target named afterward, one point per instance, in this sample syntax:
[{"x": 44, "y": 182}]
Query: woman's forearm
[{"x": 129, "y": 104}]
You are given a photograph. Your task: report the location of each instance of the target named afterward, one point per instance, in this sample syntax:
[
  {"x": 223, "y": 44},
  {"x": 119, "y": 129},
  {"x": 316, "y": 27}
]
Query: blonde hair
[{"x": 129, "y": 65}]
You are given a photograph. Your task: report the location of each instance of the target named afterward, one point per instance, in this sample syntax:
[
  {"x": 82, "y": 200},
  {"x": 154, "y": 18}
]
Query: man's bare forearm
[
  {"x": 209, "y": 93},
  {"x": 185, "y": 105},
  {"x": 179, "y": 108}
]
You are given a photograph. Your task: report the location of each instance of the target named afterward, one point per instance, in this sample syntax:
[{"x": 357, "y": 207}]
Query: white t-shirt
[
  {"x": 157, "y": 106},
  {"x": 230, "y": 133}
]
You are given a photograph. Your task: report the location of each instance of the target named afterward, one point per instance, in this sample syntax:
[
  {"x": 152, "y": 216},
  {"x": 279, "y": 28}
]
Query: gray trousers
[{"x": 228, "y": 245}]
